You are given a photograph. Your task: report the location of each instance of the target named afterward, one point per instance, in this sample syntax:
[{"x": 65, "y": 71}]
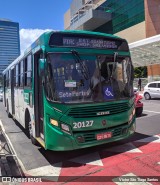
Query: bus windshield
[{"x": 81, "y": 78}]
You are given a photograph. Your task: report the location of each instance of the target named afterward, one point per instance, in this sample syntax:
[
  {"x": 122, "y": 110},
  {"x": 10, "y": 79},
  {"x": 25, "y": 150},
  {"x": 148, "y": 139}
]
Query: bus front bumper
[{"x": 59, "y": 141}]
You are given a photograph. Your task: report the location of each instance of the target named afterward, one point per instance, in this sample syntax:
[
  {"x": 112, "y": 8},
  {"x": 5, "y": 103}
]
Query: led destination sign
[{"x": 89, "y": 43}]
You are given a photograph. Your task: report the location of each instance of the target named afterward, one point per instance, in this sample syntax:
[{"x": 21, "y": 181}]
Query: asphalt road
[{"x": 36, "y": 161}]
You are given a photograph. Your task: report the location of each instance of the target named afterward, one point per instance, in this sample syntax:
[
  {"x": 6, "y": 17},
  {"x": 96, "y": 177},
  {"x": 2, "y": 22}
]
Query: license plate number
[{"x": 104, "y": 135}]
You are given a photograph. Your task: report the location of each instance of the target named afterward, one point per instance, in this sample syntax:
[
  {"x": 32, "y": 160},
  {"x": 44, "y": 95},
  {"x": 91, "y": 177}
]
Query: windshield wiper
[{"x": 84, "y": 68}]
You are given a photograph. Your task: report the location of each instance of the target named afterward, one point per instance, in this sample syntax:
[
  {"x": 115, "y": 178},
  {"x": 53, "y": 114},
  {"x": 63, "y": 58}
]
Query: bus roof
[{"x": 43, "y": 39}]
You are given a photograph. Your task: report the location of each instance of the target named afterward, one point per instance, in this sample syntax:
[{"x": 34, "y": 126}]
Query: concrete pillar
[
  {"x": 152, "y": 17},
  {"x": 152, "y": 20},
  {"x": 153, "y": 72}
]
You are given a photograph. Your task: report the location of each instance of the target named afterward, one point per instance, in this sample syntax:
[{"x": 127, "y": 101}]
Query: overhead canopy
[{"x": 146, "y": 52}]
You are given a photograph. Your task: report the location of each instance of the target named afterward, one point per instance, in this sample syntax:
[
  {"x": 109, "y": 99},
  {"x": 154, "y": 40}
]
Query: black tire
[
  {"x": 8, "y": 113},
  {"x": 139, "y": 111},
  {"x": 147, "y": 96},
  {"x": 28, "y": 127}
]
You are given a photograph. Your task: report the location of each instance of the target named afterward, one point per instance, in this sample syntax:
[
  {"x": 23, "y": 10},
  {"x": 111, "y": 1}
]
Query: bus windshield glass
[{"x": 81, "y": 78}]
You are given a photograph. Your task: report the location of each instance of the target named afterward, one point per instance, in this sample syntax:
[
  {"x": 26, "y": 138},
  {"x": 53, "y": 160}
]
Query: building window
[{"x": 9, "y": 43}]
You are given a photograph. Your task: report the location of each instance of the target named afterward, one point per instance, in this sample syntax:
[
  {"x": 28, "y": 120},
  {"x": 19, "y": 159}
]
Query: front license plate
[{"x": 104, "y": 135}]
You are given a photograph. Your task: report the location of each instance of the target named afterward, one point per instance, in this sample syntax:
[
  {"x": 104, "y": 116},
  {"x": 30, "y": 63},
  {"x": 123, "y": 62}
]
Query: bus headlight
[
  {"x": 131, "y": 116},
  {"x": 133, "y": 128},
  {"x": 65, "y": 128},
  {"x": 54, "y": 122}
]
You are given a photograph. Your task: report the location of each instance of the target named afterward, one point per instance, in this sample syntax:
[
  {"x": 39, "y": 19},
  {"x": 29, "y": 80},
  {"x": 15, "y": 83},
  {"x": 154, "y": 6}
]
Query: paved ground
[{"x": 9, "y": 165}]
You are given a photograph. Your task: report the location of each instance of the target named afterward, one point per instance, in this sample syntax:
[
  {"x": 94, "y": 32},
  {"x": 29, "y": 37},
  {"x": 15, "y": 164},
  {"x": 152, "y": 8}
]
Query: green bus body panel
[
  {"x": 56, "y": 139},
  {"x": 59, "y": 142}
]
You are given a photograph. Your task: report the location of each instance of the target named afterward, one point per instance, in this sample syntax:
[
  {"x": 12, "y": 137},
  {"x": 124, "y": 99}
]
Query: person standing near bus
[{"x": 139, "y": 84}]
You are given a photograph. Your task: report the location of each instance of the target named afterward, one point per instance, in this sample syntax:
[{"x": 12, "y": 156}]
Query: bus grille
[
  {"x": 90, "y": 136},
  {"x": 92, "y": 111}
]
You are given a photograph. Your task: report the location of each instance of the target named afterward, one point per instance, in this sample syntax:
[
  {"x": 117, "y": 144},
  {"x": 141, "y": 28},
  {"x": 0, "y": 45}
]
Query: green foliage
[{"x": 140, "y": 72}]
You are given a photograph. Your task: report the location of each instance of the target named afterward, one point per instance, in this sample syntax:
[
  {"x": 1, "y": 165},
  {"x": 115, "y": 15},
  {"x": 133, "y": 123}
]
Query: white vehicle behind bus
[{"x": 152, "y": 90}]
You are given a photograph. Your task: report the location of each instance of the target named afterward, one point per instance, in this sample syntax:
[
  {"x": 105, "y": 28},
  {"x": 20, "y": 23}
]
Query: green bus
[{"x": 72, "y": 90}]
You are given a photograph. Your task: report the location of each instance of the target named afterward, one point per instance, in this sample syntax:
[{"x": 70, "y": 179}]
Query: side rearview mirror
[
  {"x": 41, "y": 66},
  {"x": 132, "y": 73}
]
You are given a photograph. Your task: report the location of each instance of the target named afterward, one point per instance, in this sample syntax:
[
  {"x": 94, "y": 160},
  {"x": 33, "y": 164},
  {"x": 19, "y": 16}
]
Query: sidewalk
[{"x": 8, "y": 161}]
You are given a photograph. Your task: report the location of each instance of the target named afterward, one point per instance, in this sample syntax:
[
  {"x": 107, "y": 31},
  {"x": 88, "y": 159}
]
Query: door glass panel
[{"x": 153, "y": 85}]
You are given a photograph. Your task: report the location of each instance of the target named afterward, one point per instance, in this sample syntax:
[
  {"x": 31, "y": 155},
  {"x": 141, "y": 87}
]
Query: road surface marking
[
  {"x": 151, "y": 139},
  {"x": 151, "y": 111},
  {"x": 130, "y": 179},
  {"x": 47, "y": 171},
  {"x": 127, "y": 147},
  {"x": 92, "y": 159}
]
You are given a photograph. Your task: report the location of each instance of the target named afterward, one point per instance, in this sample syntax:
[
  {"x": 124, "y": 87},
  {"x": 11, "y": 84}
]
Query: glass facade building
[
  {"x": 9, "y": 43},
  {"x": 125, "y": 13},
  {"x": 122, "y": 14}
]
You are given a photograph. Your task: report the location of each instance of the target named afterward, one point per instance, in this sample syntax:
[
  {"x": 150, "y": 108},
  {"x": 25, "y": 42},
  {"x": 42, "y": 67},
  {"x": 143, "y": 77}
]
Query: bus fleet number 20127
[{"x": 83, "y": 124}]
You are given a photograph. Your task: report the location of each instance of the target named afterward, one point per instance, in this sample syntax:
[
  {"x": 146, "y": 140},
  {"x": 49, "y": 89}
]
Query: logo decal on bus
[
  {"x": 103, "y": 113},
  {"x": 26, "y": 97},
  {"x": 108, "y": 92}
]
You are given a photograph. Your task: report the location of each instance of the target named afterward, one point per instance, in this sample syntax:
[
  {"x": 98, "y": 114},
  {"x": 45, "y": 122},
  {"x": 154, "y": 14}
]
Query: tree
[{"x": 140, "y": 72}]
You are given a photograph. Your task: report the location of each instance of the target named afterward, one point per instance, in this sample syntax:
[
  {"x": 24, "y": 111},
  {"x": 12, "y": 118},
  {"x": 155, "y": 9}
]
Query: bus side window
[
  {"x": 25, "y": 72},
  {"x": 21, "y": 73},
  {"x": 17, "y": 77},
  {"x": 28, "y": 71},
  {"x": 9, "y": 78},
  {"x": 14, "y": 82},
  {"x": 6, "y": 80}
]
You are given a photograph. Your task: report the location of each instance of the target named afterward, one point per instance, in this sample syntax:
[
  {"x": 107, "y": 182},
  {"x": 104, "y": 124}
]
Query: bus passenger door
[
  {"x": 38, "y": 98},
  {"x": 12, "y": 92},
  {"x": 41, "y": 101}
]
